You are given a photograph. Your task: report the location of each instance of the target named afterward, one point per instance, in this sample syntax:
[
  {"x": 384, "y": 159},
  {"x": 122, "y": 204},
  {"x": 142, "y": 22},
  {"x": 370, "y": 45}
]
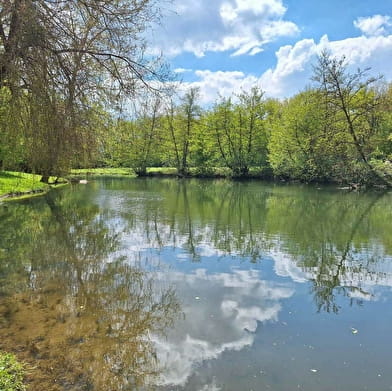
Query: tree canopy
[{"x": 62, "y": 59}]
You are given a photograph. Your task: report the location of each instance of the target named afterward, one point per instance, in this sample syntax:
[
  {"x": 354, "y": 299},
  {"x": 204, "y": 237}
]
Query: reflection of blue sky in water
[
  {"x": 255, "y": 325},
  {"x": 229, "y": 303},
  {"x": 221, "y": 312}
]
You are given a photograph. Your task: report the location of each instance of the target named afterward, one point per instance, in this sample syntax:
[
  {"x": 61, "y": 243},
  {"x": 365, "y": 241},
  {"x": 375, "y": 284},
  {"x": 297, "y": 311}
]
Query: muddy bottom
[
  {"x": 68, "y": 345},
  {"x": 37, "y": 333}
]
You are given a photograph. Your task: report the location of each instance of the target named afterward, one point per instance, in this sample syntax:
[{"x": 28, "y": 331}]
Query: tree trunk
[{"x": 45, "y": 178}]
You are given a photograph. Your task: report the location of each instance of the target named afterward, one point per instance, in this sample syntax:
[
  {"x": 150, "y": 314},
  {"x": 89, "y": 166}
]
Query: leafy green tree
[
  {"x": 136, "y": 142},
  {"x": 181, "y": 126},
  {"x": 350, "y": 98},
  {"x": 204, "y": 152},
  {"x": 240, "y": 132},
  {"x": 382, "y": 154},
  {"x": 146, "y": 136},
  {"x": 304, "y": 144}
]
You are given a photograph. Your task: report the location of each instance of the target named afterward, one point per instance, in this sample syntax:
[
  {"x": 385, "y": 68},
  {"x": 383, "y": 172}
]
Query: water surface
[{"x": 199, "y": 285}]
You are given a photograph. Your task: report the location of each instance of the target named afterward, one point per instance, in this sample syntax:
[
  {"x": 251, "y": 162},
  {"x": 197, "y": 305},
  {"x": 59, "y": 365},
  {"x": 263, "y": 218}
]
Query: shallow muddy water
[{"x": 164, "y": 284}]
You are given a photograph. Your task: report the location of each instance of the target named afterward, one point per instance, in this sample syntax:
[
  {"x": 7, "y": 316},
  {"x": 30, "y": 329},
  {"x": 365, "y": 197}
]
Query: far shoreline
[{"x": 18, "y": 186}]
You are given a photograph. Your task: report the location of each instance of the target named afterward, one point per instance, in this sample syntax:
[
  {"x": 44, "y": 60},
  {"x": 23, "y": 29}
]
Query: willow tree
[{"x": 65, "y": 56}]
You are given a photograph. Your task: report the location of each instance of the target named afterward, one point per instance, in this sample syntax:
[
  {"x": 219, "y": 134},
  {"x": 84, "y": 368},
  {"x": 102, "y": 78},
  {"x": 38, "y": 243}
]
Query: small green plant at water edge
[{"x": 11, "y": 373}]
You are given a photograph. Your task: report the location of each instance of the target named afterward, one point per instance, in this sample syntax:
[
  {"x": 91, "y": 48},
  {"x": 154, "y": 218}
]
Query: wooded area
[{"x": 69, "y": 69}]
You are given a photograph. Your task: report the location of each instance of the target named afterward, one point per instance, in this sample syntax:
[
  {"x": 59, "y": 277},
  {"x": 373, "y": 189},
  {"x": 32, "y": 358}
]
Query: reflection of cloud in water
[
  {"x": 285, "y": 267},
  {"x": 221, "y": 312},
  {"x": 363, "y": 271},
  {"x": 210, "y": 387}
]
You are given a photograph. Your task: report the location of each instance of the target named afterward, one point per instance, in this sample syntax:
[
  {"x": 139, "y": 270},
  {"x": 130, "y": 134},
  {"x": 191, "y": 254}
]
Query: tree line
[
  {"x": 68, "y": 68},
  {"x": 338, "y": 130}
]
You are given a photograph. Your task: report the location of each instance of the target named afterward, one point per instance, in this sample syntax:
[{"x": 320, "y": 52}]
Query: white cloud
[
  {"x": 182, "y": 70},
  {"x": 277, "y": 28},
  {"x": 239, "y": 26},
  {"x": 213, "y": 84},
  {"x": 293, "y": 68},
  {"x": 257, "y": 7},
  {"x": 294, "y": 62},
  {"x": 374, "y": 25}
]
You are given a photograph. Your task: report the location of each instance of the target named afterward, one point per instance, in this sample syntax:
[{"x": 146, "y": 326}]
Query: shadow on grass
[{"x": 4, "y": 174}]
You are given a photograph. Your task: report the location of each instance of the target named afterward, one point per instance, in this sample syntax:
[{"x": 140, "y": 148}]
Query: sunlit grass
[
  {"x": 123, "y": 171},
  {"x": 18, "y": 182},
  {"x": 162, "y": 170}
]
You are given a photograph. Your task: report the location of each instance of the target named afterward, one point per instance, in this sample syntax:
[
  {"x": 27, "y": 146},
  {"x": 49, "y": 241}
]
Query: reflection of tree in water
[
  {"x": 329, "y": 243},
  {"x": 190, "y": 214},
  {"x": 83, "y": 316},
  {"x": 325, "y": 234},
  {"x": 335, "y": 268}
]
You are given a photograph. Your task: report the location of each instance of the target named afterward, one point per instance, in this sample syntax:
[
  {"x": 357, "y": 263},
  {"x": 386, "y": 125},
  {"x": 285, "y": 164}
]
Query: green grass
[
  {"x": 11, "y": 373},
  {"x": 102, "y": 172},
  {"x": 17, "y": 183},
  {"x": 161, "y": 171}
]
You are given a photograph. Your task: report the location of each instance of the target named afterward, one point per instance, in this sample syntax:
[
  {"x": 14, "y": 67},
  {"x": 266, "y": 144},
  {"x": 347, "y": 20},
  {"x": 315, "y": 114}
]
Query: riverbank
[
  {"x": 17, "y": 185},
  {"x": 213, "y": 172},
  {"x": 83, "y": 173}
]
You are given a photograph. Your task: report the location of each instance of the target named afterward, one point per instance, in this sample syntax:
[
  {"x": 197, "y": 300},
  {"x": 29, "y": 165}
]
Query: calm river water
[{"x": 199, "y": 285}]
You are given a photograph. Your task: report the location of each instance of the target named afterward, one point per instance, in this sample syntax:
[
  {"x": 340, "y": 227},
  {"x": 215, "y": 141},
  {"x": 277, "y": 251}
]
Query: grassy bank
[
  {"x": 16, "y": 184},
  {"x": 20, "y": 185},
  {"x": 87, "y": 172}
]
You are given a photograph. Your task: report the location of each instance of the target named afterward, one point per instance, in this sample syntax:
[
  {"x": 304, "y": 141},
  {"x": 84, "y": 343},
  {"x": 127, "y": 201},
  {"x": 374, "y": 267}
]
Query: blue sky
[{"x": 222, "y": 46}]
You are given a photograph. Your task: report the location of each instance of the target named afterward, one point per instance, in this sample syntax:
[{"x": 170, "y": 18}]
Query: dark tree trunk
[{"x": 45, "y": 178}]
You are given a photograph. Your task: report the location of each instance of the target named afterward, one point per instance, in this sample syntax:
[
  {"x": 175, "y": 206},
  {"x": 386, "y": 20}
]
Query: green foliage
[
  {"x": 61, "y": 62},
  {"x": 336, "y": 132},
  {"x": 306, "y": 144},
  {"x": 11, "y": 373},
  {"x": 182, "y": 124},
  {"x": 354, "y": 106},
  {"x": 239, "y": 131},
  {"x": 315, "y": 136},
  {"x": 12, "y": 145}
]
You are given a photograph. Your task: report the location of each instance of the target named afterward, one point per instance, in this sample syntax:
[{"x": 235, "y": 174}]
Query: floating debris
[
  {"x": 354, "y": 331},
  {"x": 314, "y": 370},
  {"x": 197, "y": 298}
]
